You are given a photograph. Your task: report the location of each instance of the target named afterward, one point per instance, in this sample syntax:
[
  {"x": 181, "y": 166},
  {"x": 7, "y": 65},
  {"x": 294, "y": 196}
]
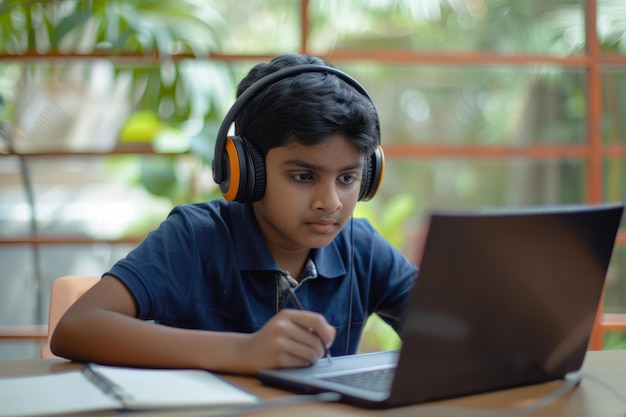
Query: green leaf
[
  {"x": 141, "y": 127},
  {"x": 67, "y": 25}
]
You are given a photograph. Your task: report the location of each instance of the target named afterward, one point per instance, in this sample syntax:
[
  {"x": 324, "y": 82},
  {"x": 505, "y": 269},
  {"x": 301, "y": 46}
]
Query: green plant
[
  {"x": 153, "y": 28},
  {"x": 146, "y": 94},
  {"x": 390, "y": 218},
  {"x": 615, "y": 340}
]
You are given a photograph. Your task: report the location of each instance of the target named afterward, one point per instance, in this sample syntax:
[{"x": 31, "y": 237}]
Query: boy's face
[{"x": 310, "y": 193}]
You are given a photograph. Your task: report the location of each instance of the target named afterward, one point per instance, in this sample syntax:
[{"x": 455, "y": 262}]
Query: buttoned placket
[{"x": 310, "y": 272}]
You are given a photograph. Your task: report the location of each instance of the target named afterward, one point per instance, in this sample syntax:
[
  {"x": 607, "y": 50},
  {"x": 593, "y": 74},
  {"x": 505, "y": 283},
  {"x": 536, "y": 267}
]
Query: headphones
[{"x": 238, "y": 165}]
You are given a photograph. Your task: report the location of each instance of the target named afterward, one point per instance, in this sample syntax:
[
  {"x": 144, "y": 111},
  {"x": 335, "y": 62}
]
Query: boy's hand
[{"x": 292, "y": 338}]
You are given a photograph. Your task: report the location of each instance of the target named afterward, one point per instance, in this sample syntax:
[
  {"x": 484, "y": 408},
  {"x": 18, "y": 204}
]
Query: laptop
[{"x": 504, "y": 298}]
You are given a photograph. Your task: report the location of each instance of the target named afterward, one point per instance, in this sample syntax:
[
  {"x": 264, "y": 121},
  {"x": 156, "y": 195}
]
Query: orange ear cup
[
  {"x": 245, "y": 171},
  {"x": 231, "y": 186}
]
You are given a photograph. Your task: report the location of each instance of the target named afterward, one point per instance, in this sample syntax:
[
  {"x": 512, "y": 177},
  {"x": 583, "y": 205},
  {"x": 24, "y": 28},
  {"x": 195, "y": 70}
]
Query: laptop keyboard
[{"x": 375, "y": 380}]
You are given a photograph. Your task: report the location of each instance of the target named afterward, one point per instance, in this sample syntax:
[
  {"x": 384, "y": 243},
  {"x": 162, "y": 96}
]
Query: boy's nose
[{"x": 327, "y": 198}]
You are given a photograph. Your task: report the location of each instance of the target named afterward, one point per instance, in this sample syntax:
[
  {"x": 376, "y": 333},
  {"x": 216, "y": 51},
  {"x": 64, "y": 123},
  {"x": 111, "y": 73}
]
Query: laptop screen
[{"x": 507, "y": 297}]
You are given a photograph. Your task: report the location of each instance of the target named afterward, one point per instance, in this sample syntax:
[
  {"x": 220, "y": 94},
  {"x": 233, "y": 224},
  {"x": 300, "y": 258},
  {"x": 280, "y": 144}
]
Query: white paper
[
  {"x": 60, "y": 393},
  {"x": 165, "y": 388}
]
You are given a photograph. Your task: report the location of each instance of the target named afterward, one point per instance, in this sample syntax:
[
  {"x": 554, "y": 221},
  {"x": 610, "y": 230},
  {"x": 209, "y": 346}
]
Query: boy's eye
[
  {"x": 305, "y": 176},
  {"x": 348, "y": 178}
]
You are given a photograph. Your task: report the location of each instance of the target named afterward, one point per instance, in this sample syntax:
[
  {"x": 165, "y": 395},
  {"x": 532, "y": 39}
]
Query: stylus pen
[{"x": 294, "y": 299}]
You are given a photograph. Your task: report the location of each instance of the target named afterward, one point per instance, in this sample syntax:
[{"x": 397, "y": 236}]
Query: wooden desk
[{"x": 591, "y": 399}]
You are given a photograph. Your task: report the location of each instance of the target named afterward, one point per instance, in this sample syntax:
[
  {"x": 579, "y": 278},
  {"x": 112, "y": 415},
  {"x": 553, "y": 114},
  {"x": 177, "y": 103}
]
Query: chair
[{"x": 63, "y": 293}]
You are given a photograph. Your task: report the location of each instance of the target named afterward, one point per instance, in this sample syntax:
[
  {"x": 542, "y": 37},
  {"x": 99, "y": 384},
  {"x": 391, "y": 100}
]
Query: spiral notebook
[{"x": 98, "y": 388}]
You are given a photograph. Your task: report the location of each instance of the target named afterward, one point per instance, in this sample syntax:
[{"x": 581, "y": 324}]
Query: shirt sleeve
[{"x": 161, "y": 264}]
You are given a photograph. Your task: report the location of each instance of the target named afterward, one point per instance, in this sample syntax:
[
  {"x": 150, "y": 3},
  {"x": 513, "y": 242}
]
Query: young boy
[{"x": 213, "y": 275}]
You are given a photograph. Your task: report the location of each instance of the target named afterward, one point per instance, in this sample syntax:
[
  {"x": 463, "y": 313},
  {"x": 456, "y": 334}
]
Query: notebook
[
  {"x": 504, "y": 298},
  {"x": 98, "y": 388}
]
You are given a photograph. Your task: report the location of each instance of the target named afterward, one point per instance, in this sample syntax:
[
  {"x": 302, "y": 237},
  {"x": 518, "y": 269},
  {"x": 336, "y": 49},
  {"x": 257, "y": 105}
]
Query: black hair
[{"x": 307, "y": 108}]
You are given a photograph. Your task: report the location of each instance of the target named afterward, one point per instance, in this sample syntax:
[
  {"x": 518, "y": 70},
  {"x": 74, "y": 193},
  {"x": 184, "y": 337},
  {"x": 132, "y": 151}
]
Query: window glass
[
  {"x": 484, "y": 105},
  {"x": 614, "y": 106},
  {"x": 531, "y": 26},
  {"x": 259, "y": 26},
  {"x": 614, "y": 185},
  {"x": 413, "y": 188},
  {"x": 94, "y": 197},
  {"x": 20, "y": 350},
  {"x": 615, "y": 286},
  {"x": 25, "y": 291},
  {"x": 104, "y": 105},
  {"x": 100, "y": 26},
  {"x": 611, "y": 16},
  {"x": 473, "y": 183}
]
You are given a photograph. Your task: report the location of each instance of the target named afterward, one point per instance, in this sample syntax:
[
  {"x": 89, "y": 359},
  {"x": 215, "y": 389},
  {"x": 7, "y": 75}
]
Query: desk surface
[{"x": 601, "y": 393}]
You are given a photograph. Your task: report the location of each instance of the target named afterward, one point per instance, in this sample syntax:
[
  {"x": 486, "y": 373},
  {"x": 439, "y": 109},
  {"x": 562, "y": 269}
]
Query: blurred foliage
[
  {"x": 550, "y": 26},
  {"x": 155, "y": 28},
  {"x": 615, "y": 340},
  {"x": 175, "y": 104},
  {"x": 390, "y": 218},
  {"x": 113, "y": 26},
  {"x": 142, "y": 127}
]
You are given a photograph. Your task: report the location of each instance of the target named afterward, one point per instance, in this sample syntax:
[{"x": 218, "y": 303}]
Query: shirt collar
[{"x": 252, "y": 252}]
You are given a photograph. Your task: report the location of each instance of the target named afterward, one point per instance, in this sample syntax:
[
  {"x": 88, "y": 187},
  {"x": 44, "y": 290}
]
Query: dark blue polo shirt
[{"x": 207, "y": 266}]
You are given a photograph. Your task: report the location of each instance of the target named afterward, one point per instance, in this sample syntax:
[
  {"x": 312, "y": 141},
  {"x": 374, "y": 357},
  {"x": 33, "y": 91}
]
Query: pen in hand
[{"x": 288, "y": 290}]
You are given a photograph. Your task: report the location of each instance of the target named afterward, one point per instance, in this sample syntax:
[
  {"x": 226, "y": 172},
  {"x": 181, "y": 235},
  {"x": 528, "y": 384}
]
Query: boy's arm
[{"x": 101, "y": 327}]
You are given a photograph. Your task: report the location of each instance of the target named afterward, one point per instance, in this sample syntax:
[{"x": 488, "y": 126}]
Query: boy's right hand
[{"x": 292, "y": 338}]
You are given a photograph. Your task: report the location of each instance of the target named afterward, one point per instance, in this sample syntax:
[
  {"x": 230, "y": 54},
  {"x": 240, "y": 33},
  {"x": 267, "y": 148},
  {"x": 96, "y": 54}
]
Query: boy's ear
[
  {"x": 245, "y": 171},
  {"x": 373, "y": 173}
]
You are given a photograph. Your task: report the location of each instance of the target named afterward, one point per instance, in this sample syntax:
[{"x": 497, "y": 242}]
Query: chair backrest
[{"x": 63, "y": 293}]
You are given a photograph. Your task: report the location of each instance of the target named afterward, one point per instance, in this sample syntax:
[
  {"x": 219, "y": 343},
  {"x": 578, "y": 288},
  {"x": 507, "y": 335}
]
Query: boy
[{"x": 213, "y": 275}]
